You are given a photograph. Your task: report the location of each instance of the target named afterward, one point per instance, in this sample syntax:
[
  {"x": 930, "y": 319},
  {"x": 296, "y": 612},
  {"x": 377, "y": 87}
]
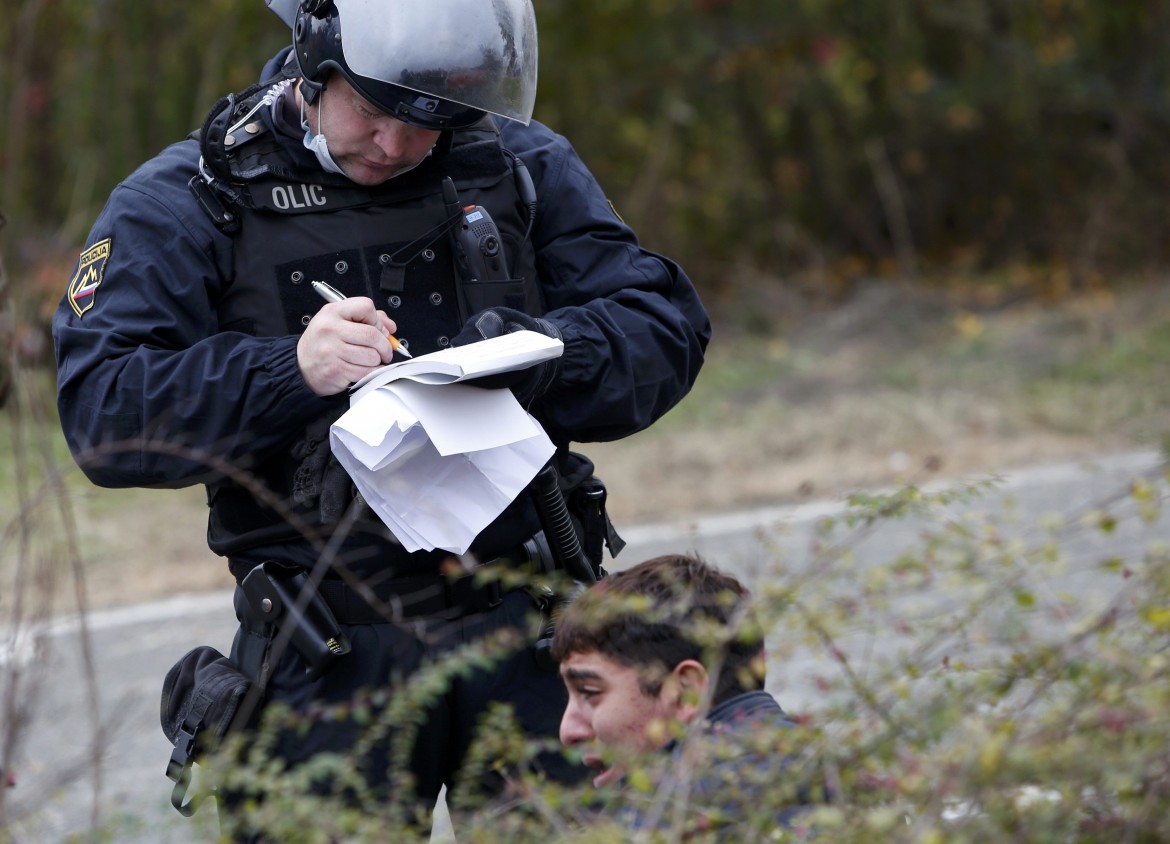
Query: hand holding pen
[
  {"x": 343, "y": 342},
  {"x": 331, "y": 294}
]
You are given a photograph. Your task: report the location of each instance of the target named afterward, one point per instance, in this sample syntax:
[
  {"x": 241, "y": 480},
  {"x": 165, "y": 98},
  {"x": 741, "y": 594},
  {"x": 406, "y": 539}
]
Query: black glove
[
  {"x": 526, "y": 384},
  {"x": 320, "y": 480}
]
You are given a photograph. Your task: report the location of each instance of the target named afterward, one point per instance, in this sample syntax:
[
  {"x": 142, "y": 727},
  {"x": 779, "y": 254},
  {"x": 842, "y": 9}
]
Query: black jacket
[{"x": 152, "y": 391}]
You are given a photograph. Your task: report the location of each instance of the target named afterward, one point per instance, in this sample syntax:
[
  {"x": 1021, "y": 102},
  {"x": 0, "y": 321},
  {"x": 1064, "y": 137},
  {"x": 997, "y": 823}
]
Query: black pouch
[
  {"x": 286, "y": 595},
  {"x": 585, "y": 495},
  {"x": 201, "y": 699}
]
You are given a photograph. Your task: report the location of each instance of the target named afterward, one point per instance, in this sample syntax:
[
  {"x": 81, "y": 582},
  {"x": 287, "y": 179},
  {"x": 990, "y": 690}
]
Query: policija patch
[{"x": 90, "y": 268}]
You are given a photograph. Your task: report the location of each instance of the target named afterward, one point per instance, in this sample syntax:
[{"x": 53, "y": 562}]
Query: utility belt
[
  {"x": 272, "y": 588},
  {"x": 310, "y": 608},
  {"x": 410, "y": 597}
]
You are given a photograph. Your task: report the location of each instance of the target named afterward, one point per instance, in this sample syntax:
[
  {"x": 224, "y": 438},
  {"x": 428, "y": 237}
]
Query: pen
[{"x": 332, "y": 294}]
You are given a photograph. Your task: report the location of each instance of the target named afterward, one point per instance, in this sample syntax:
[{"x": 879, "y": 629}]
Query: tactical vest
[{"x": 393, "y": 242}]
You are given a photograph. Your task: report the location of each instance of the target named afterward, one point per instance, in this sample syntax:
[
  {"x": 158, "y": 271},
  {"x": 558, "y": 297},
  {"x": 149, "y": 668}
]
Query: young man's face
[{"x": 610, "y": 716}]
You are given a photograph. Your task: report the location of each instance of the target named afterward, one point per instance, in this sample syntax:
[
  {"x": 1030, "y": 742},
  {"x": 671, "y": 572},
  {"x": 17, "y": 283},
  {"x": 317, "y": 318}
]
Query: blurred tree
[
  {"x": 979, "y": 133},
  {"x": 835, "y": 136},
  {"x": 99, "y": 86}
]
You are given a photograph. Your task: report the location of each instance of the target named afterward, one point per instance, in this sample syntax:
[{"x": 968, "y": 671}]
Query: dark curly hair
[{"x": 663, "y": 611}]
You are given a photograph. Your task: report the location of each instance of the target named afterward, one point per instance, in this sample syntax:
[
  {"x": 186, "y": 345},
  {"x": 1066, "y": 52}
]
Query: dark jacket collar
[{"x": 757, "y": 705}]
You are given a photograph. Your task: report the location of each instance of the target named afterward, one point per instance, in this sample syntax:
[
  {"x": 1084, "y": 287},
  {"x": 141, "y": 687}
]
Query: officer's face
[
  {"x": 368, "y": 145},
  {"x": 610, "y": 717}
]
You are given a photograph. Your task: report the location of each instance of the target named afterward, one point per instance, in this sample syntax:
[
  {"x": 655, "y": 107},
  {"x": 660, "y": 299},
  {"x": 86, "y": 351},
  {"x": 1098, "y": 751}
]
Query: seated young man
[{"x": 664, "y": 659}]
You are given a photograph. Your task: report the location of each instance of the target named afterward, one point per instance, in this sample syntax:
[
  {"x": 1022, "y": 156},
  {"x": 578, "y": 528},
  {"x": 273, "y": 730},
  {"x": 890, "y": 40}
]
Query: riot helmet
[{"x": 435, "y": 64}]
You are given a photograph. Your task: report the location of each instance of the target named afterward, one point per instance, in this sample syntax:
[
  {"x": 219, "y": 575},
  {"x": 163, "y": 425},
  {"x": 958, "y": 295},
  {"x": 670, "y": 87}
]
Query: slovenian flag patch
[{"x": 88, "y": 278}]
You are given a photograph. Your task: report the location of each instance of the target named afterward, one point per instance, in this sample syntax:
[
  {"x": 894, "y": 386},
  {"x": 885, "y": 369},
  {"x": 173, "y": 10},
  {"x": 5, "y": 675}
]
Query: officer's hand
[
  {"x": 342, "y": 342},
  {"x": 525, "y": 384}
]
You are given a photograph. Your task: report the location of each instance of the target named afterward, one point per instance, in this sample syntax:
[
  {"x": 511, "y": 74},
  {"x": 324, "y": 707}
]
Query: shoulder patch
[{"x": 90, "y": 268}]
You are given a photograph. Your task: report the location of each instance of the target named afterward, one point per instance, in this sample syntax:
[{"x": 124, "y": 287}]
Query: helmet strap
[
  {"x": 309, "y": 90},
  {"x": 308, "y": 98}
]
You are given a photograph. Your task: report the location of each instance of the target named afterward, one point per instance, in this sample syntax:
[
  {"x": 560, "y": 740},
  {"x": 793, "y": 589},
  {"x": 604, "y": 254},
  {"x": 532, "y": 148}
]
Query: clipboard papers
[
  {"x": 517, "y": 350},
  {"x": 438, "y": 461}
]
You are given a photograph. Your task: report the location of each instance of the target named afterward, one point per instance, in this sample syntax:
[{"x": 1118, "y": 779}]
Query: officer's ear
[{"x": 685, "y": 689}]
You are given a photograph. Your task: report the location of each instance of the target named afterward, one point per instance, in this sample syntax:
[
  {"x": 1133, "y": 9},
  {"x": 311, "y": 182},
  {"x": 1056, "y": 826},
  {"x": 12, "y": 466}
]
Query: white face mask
[{"x": 317, "y": 144}]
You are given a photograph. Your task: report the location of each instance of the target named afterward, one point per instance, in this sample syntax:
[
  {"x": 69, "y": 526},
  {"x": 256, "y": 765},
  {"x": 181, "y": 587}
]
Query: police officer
[{"x": 192, "y": 349}]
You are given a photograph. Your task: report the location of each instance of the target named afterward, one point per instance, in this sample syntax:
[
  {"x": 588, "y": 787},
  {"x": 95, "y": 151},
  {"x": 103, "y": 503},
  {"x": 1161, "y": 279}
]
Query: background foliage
[
  {"x": 987, "y": 677},
  {"x": 823, "y": 140}
]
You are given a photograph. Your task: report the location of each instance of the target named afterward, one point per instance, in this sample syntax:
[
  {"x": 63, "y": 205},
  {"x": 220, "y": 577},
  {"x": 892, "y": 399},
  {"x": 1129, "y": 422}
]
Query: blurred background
[{"x": 1020, "y": 148}]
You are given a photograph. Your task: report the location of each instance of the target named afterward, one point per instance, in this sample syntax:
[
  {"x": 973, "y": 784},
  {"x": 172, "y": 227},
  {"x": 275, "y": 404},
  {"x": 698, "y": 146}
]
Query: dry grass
[
  {"x": 901, "y": 386},
  {"x": 167, "y": 553}
]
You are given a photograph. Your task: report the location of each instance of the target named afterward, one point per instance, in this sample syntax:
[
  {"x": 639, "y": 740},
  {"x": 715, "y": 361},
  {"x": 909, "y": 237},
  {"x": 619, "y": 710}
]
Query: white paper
[
  {"x": 438, "y": 464},
  {"x": 461, "y": 418},
  {"x": 372, "y": 442},
  {"x": 518, "y": 350}
]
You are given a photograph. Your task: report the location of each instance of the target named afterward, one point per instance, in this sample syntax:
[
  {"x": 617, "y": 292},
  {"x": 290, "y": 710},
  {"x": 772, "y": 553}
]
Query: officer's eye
[{"x": 367, "y": 113}]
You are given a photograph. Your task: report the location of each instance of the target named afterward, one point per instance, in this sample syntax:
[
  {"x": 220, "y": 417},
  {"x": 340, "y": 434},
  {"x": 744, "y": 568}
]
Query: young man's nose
[{"x": 574, "y": 728}]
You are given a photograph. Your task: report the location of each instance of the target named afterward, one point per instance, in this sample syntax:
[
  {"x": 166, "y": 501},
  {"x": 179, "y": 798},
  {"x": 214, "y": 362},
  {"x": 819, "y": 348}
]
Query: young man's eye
[
  {"x": 586, "y": 693},
  {"x": 366, "y": 113}
]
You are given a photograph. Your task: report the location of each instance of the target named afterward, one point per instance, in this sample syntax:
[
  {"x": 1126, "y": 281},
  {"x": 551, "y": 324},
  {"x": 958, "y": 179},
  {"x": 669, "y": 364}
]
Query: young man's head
[{"x": 643, "y": 651}]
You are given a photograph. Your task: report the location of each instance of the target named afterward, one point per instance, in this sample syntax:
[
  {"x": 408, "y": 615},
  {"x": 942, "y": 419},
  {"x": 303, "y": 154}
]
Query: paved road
[{"x": 87, "y": 744}]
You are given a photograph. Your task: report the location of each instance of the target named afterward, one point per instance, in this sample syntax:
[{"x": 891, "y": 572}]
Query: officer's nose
[
  {"x": 387, "y": 139},
  {"x": 400, "y": 141}
]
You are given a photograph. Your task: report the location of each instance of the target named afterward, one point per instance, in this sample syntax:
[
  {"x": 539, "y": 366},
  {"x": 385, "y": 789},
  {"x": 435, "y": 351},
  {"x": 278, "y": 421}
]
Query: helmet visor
[{"x": 477, "y": 53}]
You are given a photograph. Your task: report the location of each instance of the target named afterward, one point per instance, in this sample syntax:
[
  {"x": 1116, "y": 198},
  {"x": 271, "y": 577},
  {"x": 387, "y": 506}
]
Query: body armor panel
[{"x": 398, "y": 250}]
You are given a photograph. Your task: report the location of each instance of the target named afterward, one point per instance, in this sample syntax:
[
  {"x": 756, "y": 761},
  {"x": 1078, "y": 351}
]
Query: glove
[
  {"x": 526, "y": 384},
  {"x": 320, "y": 480}
]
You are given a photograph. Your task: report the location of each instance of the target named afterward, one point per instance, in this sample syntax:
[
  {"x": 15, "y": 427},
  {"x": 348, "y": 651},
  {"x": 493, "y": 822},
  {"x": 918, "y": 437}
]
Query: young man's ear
[{"x": 688, "y": 681}]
